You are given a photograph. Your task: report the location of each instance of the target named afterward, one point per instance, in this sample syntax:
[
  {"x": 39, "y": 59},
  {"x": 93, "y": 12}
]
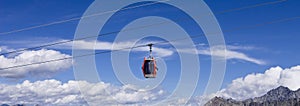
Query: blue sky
[{"x": 275, "y": 44}]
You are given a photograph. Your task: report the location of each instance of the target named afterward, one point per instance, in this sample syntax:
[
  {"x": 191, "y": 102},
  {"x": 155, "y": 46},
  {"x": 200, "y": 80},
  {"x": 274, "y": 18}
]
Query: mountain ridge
[{"x": 280, "y": 96}]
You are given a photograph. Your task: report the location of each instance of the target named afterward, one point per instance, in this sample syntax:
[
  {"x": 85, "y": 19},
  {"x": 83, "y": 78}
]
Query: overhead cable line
[
  {"x": 78, "y": 18},
  {"x": 130, "y": 29},
  {"x": 174, "y": 40},
  {"x": 128, "y": 8}
]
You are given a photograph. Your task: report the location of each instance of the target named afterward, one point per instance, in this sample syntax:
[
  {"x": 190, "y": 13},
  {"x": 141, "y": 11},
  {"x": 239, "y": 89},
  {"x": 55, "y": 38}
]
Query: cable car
[{"x": 149, "y": 65}]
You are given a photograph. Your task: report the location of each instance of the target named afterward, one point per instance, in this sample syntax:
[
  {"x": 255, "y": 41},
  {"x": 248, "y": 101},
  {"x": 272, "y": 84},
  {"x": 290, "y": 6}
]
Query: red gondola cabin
[{"x": 149, "y": 66}]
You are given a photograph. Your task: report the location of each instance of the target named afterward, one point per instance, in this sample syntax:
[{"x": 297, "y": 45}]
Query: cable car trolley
[{"x": 149, "y": 65}]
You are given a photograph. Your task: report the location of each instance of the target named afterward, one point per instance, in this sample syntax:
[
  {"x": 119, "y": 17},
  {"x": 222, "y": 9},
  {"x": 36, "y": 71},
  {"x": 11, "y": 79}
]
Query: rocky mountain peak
[
  {"x": 279, "y": 90},
  {"x": 279, "y": 93},
  {"x": 280, "y": 96}
]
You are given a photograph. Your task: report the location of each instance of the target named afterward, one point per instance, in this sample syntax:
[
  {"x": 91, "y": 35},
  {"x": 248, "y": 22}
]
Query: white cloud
[
  {"x": 102, "y": 45},
  {"x": 157, "y": 52},
  {"x": 28, "y": 57},
  {"x": 236, "y": 47},
  {"x": 258, "y": 84},
  {"x": 53, "y": 92},
  {"x": 252, "y": 85},
  {"x": 57, "y": 93},
  {"x": 230, "y": 52},
  {"x": 290, "y": 78}
]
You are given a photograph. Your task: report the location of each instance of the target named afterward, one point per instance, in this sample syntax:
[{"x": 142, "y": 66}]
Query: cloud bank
[
  {"x": 28, "y": 57},
  {"x": 258, "y": 84},
  {"x": 253, "y": 85},
  {"x": 54, "y": 92}
]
